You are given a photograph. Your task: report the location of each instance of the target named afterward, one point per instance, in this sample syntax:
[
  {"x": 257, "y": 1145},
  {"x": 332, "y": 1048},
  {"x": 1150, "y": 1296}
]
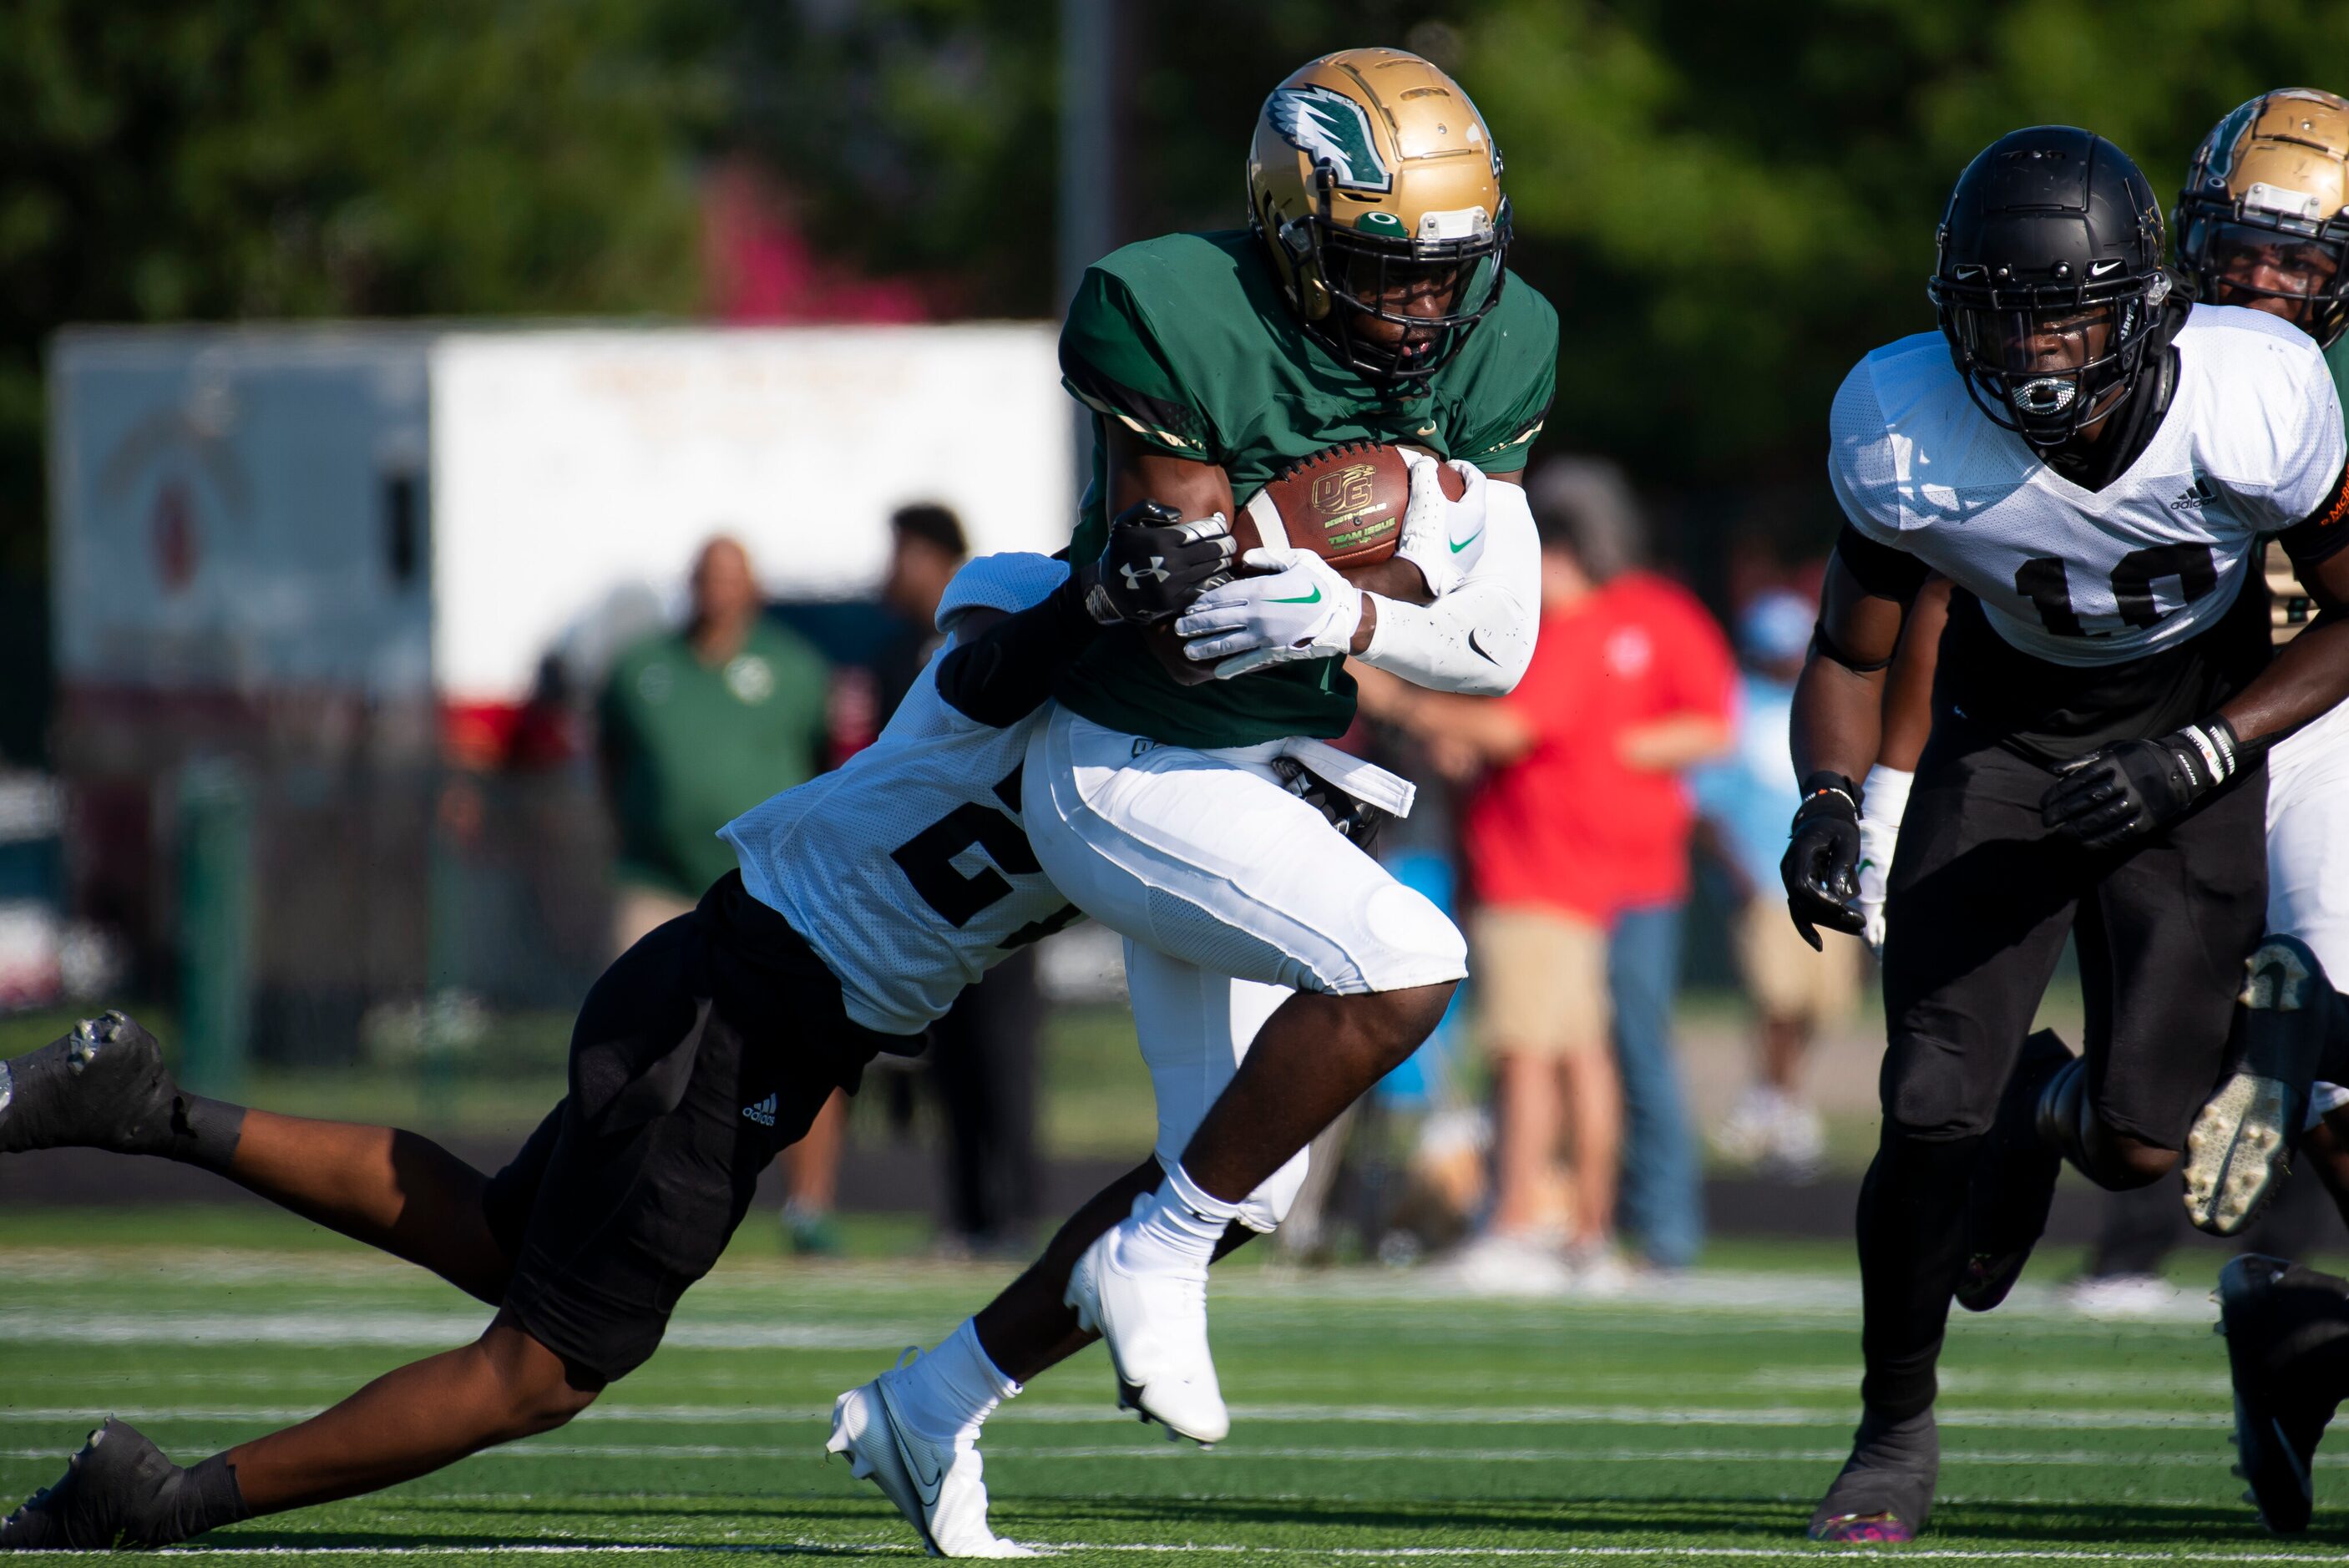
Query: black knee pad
[{"x": 1932, "y": 1090}]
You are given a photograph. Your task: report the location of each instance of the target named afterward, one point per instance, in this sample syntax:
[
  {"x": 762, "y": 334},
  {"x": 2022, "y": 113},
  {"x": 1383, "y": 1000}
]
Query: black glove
[
  {"x": 1821, "y": 870},
  {"x": 2126, "y": 790},
  {"x": 1155, "y": 563}
]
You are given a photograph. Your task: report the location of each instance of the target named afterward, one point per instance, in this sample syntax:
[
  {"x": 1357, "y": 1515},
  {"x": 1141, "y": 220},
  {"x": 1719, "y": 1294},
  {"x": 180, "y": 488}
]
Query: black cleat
[
  {"x": 112, "y": 1495},
  {"x": 104, "y": 1085},
  {"x": 2278, "y": 1317},
  {"x": 2015, "y": 1185},
  {"x": 1884, "y": 1493},
  {"x": 2240, "y": 1150}
]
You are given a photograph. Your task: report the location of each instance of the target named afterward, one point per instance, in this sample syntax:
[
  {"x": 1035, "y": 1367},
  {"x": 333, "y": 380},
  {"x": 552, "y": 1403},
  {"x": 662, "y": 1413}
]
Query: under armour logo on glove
[{"x": 1154, "y": 564}]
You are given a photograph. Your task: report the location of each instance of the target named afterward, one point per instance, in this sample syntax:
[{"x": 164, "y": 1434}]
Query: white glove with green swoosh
[
  {"x": 1445, "y": 538},
  {"x": 1300, "y": 608}
]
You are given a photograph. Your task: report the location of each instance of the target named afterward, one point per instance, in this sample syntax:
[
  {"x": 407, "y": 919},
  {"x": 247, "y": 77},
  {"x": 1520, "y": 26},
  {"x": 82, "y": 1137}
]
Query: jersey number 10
[{"x": 2043, "y": 580}]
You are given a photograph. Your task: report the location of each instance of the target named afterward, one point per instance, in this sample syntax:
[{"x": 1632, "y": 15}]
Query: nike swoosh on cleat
[
  {"x": 926, "y": 1488},
  {"x": 1478, "y": 649},
  {"x": 1460, "y": 544},
  {"x": 1312, "y": 598}
]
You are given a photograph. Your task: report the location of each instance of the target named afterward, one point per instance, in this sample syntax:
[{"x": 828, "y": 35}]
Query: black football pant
[
  {"x": 983, "y": 1065},
  {"x": 1980, "y": 899}
]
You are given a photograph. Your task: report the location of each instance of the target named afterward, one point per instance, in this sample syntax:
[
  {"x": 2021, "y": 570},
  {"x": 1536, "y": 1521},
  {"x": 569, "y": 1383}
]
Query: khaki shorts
[
  {"x": 1784, "y": 976},
  {"x": 1541, "y": 980}
]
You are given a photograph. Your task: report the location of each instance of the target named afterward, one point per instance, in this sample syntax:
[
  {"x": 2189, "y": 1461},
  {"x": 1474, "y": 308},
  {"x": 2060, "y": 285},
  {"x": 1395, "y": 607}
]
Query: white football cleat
[
  {"x": 938, "y": 1486},
  {"x": 1155, "y": 1321}
]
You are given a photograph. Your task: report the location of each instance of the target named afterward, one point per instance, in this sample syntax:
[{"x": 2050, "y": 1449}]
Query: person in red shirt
[{"x": 1576, "y": 843}]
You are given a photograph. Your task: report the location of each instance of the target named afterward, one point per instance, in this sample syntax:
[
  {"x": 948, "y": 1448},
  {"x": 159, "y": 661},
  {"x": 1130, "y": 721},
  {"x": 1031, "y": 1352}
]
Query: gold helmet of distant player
[
  {"x": 1376, "y": 187},
  {"x": 2263, "y": 220}
]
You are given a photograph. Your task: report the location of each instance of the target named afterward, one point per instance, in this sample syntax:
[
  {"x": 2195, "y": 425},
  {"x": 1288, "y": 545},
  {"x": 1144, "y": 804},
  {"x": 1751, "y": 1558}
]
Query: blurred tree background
[{"x": 1727, "y": 202}]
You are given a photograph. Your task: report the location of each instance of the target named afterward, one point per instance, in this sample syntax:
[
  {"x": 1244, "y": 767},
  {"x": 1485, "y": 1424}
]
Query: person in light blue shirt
[{"x": 1742, "y": 807}]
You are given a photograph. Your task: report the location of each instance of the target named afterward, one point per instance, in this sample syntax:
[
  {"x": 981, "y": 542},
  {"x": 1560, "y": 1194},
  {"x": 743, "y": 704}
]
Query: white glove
[
  {"x": 1303, "y": 609},
  {"x": 1445, "y": 538},
  {"x": 1884, "y": 800}
]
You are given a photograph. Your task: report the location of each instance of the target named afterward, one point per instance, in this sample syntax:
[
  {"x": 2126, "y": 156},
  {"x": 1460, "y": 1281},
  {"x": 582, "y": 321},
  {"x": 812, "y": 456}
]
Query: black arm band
[
  {"x": 2320, "y": 536},
  {"x": 1006, "y": 673},
  {"x": 1827, "y": 648},
  {"x": 1881, "y": 572}
]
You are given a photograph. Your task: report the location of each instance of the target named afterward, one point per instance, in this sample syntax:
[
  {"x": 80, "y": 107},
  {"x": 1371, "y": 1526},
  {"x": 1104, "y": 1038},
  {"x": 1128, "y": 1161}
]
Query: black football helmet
[{"x": 2049, "y": 280}]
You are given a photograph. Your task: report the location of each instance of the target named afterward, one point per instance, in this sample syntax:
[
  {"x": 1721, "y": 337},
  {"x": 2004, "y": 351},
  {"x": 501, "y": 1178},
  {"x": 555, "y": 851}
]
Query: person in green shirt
[
  {"x": 1282, "y": 970},
  {"x": 696, "y": 725}
]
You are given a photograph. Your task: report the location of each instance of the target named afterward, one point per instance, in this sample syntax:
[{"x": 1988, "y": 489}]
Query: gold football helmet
[
  {"x": 2263, "y": 220},
  {"x": 1376, "y": 187}
]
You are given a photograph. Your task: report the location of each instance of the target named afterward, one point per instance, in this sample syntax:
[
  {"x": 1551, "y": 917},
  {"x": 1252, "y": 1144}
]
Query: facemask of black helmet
[
  {"x": 2049, "y": 362},
  {"x": 1396, "y": 309}
]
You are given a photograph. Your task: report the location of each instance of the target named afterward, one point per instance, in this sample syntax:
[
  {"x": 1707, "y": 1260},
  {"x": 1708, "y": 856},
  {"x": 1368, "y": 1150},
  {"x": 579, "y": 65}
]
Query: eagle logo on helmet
[{"x": 1334, "y": 131}]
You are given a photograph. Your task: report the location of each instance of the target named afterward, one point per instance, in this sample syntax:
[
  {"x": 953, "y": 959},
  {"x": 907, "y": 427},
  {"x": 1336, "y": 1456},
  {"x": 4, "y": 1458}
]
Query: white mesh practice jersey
[
  {"x": 2251, "y": 444},
  {"x": 908, "y": 870}
]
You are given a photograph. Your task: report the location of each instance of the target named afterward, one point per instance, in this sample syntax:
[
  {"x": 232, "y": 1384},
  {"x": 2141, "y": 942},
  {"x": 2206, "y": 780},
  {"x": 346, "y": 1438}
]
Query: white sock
[
  {"x": 1183, "y": 1220},
  {"x": 948, "y": 1395}
]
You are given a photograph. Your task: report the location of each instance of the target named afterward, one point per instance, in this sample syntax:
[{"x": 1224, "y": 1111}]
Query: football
[{"x": 1344, "y": 503}]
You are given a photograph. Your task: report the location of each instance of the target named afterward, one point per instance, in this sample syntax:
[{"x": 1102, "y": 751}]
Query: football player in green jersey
[
  {"x": 2263, "y": 222},
  {"x": 1366, "y": 299}
]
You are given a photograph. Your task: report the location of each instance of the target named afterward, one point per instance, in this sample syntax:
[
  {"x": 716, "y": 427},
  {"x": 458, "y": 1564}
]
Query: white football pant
[
  {"x": 1231, "y": 893},
  {"x": 2308, "y": 854}
]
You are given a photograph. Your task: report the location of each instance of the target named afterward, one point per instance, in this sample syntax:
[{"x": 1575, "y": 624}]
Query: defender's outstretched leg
[{"x": 106, "y": 1086}]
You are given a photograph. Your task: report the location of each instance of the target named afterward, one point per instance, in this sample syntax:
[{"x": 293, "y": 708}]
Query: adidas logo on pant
[{"x": 763, "y": 1113}]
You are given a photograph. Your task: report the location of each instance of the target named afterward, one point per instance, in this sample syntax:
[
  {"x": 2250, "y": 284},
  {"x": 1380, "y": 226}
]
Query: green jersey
[
  {"x": 1187, "y": 343},
  {"x": 692, "y": 745}
]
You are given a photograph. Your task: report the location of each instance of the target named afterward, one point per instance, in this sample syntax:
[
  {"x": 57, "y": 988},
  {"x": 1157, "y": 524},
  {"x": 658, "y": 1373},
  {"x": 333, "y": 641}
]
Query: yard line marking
[
  {"x": 2016, "y": 1419},
  {"x": 868, "y": 1548},
  {"x": 53, "y": 1325}
]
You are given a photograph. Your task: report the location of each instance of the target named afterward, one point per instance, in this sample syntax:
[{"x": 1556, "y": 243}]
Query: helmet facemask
[
  {"x": 1394, "y": 309},
  {"x": 2293, "y": 269},
  {"x": 2049, "y": 362}
]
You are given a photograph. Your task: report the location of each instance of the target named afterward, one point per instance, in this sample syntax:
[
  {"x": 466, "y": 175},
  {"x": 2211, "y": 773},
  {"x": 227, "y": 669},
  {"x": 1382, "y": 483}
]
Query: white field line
[
  {"x": 2018, "y": 1419},
  {"x": 1568, "y": 1553},
  {"x": 1956, "y": 1458},
  {"x": 61, "y": 1325}
]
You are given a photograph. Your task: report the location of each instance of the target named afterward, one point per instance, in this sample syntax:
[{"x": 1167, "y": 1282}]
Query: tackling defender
[
  {"x": 2091, "y": 464},
  {"x": 700, "y": 1053},
  {"x": 1366, "y": 299}
]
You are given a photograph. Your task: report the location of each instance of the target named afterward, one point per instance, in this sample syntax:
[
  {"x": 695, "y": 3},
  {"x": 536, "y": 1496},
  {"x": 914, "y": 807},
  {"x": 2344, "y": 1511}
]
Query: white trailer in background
[{"x": 299, "y": 549}]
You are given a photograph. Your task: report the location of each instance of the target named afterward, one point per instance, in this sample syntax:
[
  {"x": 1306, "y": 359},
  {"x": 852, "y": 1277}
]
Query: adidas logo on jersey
[
  {"x": 763, "y": 1113},
  {"x": 2197, "y": 496}
]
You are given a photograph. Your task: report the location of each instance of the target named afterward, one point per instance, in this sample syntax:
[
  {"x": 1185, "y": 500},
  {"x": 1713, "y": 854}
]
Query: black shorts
[
  {"x": 1980, "y": 898},
  {"x": 702, "y": 1052}
]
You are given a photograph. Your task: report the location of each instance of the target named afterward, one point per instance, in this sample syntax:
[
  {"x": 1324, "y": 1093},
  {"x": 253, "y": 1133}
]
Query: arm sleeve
[
  {"x": 1479, "y": 638},
  {"x": 1880, "y": 570},
  {"x": 1112, "y": 362},
  {"x": 1006, "y": 673},
  {"x": 2320, "y": 536},
  {"x": 1524, "y": 376}
]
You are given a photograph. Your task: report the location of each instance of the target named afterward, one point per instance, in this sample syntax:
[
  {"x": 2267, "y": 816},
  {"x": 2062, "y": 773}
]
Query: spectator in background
[
  {"x": 1742, "y": 801},
  {"x": 982, "y": 1055},
  {"x": 1577, "y": 847},
  {"x": 696, "y": 727}
]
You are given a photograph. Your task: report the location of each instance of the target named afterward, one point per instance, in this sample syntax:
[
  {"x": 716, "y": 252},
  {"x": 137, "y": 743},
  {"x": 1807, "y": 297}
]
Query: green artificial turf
[{"x": 1694, "y": 1421}]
